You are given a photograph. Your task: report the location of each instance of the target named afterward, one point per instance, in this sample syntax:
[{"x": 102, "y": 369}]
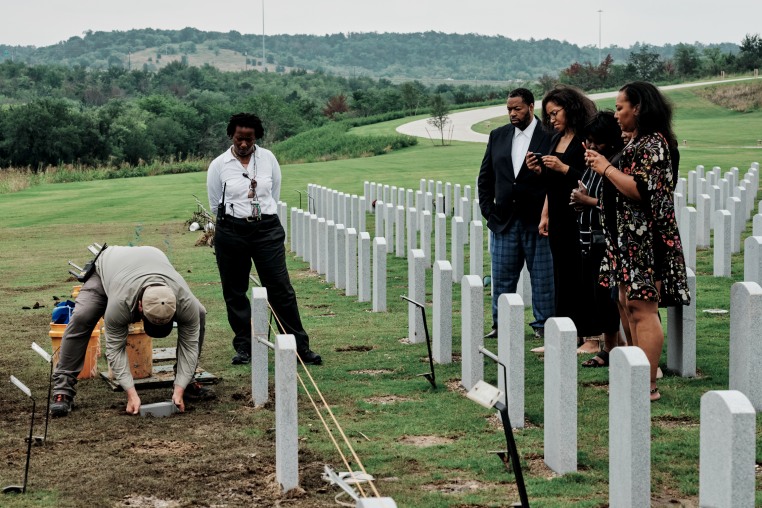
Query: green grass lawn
[{"x": 380, "y": 413}]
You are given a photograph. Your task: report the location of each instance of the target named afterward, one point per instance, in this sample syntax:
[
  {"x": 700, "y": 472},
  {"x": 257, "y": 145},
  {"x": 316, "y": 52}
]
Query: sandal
[
  {"x": 594, "y": 363},
  {"x": 654, "y": 394}
]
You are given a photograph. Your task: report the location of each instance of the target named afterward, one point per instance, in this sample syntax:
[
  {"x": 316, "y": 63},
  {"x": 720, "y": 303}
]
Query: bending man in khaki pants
[{"x": 130, "y": 284}]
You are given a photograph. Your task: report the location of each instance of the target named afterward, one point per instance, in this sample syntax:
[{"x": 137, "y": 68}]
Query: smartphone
[{"x": 538, "y": 155}]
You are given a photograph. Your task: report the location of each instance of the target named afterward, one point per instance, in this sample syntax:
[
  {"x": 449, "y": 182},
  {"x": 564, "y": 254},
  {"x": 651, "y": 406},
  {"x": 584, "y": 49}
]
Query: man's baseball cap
[{"x": 159, "y": 305}]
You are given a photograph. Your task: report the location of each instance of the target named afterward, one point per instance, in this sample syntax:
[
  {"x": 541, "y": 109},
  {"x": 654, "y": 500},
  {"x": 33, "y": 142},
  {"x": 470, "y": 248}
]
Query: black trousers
[
  {"x": 599, "y": 313},
  {"x": 237, "y": 243}
]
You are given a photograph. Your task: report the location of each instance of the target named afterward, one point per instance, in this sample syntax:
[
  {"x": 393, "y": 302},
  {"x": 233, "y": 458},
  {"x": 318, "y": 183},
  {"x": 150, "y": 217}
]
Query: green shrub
[{"x": 332, "y": 142}]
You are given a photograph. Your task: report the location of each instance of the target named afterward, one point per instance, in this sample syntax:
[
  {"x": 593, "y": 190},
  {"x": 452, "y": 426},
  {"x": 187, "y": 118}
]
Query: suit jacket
[{"x": 503, "y": 196}]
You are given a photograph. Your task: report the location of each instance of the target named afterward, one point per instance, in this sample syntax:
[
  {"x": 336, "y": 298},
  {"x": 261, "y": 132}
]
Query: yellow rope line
[
  {"x": 333, "y": 417},
  {"x": 325, "y": 424},
  {"x": 330, "y": 434}
]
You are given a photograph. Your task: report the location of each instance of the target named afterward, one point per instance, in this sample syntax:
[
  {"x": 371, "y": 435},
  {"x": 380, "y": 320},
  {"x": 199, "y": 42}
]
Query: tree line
[
  {"x": 687, "y": 62},
  {"x": 422, "y": 55},
  {"x": 54, "y": 114}
]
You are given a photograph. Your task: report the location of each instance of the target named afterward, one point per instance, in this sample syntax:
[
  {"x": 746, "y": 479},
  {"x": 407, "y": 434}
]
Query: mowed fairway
[{"x": 222, "y": 452}]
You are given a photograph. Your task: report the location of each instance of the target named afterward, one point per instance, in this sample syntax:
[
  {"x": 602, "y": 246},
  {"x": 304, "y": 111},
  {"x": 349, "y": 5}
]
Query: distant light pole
[
  {"x": 263, "y": 34},
  {"x": 599, "y": 35}
]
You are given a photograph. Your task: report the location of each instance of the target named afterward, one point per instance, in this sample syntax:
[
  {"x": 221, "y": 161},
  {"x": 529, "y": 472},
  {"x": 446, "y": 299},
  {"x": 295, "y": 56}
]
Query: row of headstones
[
  {"x": 347, "y": 209},
  {"x": 401, "y": 228},
  {"x": 286, "y": 395},
  {"x": 436, "y": 197},
  {"x": 340, "y": 207},
  {"x": 681, "y": 327},
  {"x": 715, "y": 210},
  {"x": 728, "y": 418},
  {"x": 344, "y": 256}
]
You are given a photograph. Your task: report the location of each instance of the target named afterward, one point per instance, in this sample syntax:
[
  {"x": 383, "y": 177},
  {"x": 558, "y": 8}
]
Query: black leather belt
[{"x": 247, "y": 220}]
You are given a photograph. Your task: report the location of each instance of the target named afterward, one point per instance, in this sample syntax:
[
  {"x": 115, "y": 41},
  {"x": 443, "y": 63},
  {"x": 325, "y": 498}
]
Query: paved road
[{"x": 461, "y": 122}]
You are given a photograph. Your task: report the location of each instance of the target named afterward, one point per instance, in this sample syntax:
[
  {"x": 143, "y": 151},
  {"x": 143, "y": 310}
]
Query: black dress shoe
[
  {"x": 492, "y": 334},
  {"x": 241, "y": 359},
  {"x": 310, "y": 357}
]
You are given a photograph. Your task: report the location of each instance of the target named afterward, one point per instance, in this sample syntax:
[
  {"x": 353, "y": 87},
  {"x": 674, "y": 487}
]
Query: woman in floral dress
[{"x": 645, "y": 257}]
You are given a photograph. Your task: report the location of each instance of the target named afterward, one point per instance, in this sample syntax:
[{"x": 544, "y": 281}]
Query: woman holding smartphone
[
  {"x": 646, "y": 259},
  {"x": 567, "y": 111}
]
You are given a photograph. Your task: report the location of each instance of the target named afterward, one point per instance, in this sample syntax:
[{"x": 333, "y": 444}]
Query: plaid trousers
[{"x": 509, "y": 249}]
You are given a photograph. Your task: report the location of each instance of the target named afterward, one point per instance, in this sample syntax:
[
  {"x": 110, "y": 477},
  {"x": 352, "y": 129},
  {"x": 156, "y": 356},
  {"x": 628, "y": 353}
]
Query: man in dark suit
[{"x": 511, "y": 197}]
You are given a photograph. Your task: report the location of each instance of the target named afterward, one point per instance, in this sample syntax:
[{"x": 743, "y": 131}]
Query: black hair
[
  {"x": 578, "y": 109},
  {"x": 249, "y": 120},
  {"x": 604, "y": 129},
  {"x": 526, "y": 95},
  {"x": 654, "y": 110}
]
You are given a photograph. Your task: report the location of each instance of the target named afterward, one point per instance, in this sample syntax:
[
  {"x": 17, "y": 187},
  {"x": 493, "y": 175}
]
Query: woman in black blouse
[{"x": 567, "y": 111}]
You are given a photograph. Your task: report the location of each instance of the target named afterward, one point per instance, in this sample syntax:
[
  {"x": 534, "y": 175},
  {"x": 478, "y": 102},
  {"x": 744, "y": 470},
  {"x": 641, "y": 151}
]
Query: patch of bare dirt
[
  {"x": 673, "y": 422},
  {"x": 387, "y": 399},
  {"x": 201, "y": 458},
  {"x": 135, "y": 501},
  {"x": 425, "y": 359},
  {"x": 425, "y": 441},
  {"x": 537, "y": 467},
  {"x": 668, "y": 501},
  {"x": 596, "y": 385},
  {"x": 456, "y": 486},
  {"x": 361, "y": 348},
  {"x": 159, "y": 447},
  {"x": 371, "y": 372},
  {"x": 454, "y": 386},
  {"x": 303, "y": 274},
  {"x": 494, "y": 421}
]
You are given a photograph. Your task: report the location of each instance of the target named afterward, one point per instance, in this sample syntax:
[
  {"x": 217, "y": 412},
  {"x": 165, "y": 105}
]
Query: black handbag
[{"x": 597, "y": 238}]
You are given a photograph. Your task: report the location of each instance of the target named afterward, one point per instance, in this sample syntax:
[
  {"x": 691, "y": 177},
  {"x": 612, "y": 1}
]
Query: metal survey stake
[
  {"x": 45, "y": 356},
  {"x": 428, "y": 375},
  {"x": 21, "y": 489},
  {"x": 300, "y": 198},
  {"x": 488, "y": 396}
]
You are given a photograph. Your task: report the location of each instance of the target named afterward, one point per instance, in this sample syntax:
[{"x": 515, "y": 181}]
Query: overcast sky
[{"x": 45, "y": 22}]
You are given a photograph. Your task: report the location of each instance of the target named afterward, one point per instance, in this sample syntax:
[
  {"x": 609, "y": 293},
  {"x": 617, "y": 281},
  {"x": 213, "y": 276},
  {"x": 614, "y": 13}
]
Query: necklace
[{"x": 241, "y": 159}]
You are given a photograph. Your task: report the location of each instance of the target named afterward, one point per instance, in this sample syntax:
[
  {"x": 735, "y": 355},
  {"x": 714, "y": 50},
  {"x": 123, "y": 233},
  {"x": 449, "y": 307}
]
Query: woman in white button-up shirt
[{"x": 243, "y": 185}]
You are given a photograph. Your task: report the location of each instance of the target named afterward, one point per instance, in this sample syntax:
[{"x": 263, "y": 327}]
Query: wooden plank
[
  {"x": 164, "y": 354},
  {"x": 162, "y": 376}
]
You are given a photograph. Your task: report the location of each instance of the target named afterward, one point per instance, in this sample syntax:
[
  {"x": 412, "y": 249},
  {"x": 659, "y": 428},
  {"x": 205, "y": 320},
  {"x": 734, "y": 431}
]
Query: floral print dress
[{"x": 647, "y": 246}]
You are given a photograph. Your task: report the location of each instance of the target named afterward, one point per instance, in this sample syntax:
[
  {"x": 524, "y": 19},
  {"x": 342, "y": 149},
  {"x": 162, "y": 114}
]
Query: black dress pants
[{"x": 238, "y": 242}]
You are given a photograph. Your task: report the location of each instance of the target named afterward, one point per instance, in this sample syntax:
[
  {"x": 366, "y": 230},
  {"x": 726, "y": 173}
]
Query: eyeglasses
[{"x": 554, "y": 113}]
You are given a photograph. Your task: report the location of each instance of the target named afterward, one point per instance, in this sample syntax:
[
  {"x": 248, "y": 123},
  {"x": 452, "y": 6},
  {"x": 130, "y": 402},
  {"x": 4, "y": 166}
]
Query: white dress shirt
[
  {"x": 520, "y": 145},
  {"x": 226, "y": 172}
]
